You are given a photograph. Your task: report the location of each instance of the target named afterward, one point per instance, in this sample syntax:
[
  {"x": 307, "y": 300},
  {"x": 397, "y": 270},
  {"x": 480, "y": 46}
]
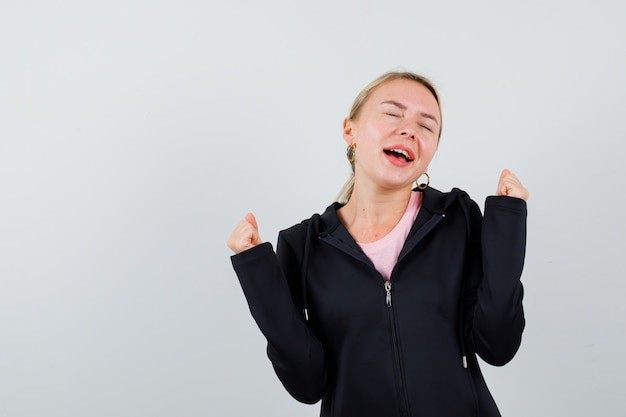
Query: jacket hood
[{"x": 434, "y": 201}]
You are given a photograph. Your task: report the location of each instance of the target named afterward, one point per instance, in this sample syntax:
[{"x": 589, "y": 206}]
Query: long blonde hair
[{"x": 359, "y": 101}]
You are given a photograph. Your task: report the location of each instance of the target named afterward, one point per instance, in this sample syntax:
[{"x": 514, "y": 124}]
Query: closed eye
[
  {"x": 426, "y": 127},
  {"x": 392, "y": 114}
]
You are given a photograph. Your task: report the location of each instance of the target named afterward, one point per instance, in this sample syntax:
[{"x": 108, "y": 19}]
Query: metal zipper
[
  {"x": 388, "y": 290},
  {"x": 404, "y": 404}
]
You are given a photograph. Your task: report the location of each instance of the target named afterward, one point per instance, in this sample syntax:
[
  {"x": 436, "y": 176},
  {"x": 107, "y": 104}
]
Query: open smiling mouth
[{"x": 398, "y": 153}]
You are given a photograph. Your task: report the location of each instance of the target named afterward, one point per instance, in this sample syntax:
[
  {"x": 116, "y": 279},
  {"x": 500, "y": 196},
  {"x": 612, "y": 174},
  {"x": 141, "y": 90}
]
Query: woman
[{"x": 379, "y": 306}]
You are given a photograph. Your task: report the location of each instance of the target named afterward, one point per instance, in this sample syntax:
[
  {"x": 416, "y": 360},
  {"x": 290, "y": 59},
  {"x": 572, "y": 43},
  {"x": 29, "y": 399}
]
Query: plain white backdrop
[{"x": 135, "y": 134}]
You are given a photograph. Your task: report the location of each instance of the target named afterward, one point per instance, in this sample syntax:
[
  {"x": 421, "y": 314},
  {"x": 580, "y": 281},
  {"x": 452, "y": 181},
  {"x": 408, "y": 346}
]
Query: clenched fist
[
  {"x": 511, "y": 186},
  {"x": 245, "y": 235}
]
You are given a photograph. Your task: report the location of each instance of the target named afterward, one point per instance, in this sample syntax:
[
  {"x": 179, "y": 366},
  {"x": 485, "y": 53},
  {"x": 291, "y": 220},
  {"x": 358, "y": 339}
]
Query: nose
[
  {"x": 407, "y": 132},
  {"x": 407, "y": 128}
]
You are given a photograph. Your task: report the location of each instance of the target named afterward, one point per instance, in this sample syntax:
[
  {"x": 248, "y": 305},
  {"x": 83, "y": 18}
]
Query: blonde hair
[{"x": 361, "y": 98}]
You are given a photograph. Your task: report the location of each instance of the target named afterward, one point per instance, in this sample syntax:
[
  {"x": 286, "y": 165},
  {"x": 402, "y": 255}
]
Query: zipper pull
[{"x": 388, "y": 289}]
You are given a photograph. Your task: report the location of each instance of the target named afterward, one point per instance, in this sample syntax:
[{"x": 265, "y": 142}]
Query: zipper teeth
[{"x": 404, "y": 405}]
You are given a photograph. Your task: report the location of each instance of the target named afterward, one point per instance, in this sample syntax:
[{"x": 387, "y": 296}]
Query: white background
[{"x": 135, "y": 134}]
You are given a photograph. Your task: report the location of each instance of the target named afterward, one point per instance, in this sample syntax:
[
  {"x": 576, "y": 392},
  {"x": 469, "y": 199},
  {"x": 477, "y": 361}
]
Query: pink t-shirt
[{"x": 384, "y": 252}]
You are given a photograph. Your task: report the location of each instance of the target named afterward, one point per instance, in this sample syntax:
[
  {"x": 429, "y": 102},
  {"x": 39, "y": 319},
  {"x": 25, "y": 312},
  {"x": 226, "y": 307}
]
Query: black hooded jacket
[{"x": 338, "y": 332}]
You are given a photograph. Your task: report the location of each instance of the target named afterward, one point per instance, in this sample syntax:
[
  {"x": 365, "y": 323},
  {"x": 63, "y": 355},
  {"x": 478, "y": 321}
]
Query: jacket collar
[{"x": 434, "y": 202}]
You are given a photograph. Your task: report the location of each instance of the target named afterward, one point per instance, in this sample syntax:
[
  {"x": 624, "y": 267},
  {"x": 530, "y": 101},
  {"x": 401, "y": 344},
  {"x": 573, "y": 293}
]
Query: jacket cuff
[
  {"x": 252, "y": 254},
  {"x": 505, "y": 202}
]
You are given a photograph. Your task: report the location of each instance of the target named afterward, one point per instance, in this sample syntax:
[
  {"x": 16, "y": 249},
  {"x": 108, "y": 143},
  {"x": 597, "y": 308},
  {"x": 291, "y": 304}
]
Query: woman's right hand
[{"x": 245, "y": 235}]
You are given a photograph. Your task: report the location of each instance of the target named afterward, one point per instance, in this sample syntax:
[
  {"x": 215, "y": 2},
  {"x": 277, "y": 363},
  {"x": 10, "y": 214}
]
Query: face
[{"x": 395, "y": 133}]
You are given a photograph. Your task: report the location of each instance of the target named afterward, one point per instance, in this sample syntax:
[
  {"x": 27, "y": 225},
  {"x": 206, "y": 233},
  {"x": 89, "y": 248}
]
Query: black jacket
[{"x": 405, "y": 349}]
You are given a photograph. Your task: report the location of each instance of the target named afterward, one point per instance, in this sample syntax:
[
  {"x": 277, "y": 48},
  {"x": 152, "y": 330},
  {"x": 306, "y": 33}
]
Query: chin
[{"x": 398, "y": 185}]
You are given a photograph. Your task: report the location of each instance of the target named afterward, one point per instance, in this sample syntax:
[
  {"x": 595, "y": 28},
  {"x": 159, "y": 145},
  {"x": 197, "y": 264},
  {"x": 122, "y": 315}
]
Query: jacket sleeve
[
  {"x": 296, "y": 353},
  {"x": 495, "y": 316}
]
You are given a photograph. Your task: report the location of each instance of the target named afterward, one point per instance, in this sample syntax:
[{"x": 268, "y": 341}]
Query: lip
[{"x": 408, "y": 150}]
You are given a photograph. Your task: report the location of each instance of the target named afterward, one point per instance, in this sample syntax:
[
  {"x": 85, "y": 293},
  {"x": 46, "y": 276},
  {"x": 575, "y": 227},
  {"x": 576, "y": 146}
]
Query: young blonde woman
[{"x": 380, "y": 306}]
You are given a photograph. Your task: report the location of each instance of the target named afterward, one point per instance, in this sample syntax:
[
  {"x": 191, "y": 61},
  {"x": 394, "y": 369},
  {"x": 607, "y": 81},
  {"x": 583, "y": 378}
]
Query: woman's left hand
[{"x": 511, "y": 186}]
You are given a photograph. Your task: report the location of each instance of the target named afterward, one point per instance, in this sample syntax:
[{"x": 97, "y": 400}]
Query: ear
[{"x": 348, "y": 133}]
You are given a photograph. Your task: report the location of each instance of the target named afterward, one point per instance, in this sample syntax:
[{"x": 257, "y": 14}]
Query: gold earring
[
  {"x": 350, "y": 153},
  {"x": 422, "y": 186}
]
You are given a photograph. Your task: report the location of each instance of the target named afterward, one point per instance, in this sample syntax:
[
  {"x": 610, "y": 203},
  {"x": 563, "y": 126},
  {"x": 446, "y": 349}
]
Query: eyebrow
[{"x": 403, "y": 107}]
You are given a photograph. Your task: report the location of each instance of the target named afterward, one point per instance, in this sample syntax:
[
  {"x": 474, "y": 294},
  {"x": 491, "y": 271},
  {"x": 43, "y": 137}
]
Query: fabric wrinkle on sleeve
[
  {"x": 498, "y": 317},
  {"x": 296, "y": 354}
]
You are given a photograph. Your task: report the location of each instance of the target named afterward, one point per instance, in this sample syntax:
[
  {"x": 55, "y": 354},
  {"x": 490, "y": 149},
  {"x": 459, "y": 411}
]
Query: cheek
[
  {"x": 378, "y": 125},
  {"x": 373, "y": 135},
  {"x": 428, "y": 146}
]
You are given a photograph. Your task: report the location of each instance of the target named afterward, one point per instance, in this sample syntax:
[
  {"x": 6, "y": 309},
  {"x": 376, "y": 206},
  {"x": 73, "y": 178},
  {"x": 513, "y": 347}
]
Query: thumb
[
  {"x": 252, "y": 220},
  {"x": 503, "y": 188}
]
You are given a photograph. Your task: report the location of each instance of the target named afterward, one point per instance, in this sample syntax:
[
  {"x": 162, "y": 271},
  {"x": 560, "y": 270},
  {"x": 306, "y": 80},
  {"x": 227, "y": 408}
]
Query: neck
[{"x": 372, "y": 213}]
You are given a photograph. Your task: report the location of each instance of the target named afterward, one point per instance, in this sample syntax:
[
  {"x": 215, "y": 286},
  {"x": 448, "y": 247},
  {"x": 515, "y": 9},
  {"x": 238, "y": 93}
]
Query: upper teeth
[{"x": 401, "y": 151}]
